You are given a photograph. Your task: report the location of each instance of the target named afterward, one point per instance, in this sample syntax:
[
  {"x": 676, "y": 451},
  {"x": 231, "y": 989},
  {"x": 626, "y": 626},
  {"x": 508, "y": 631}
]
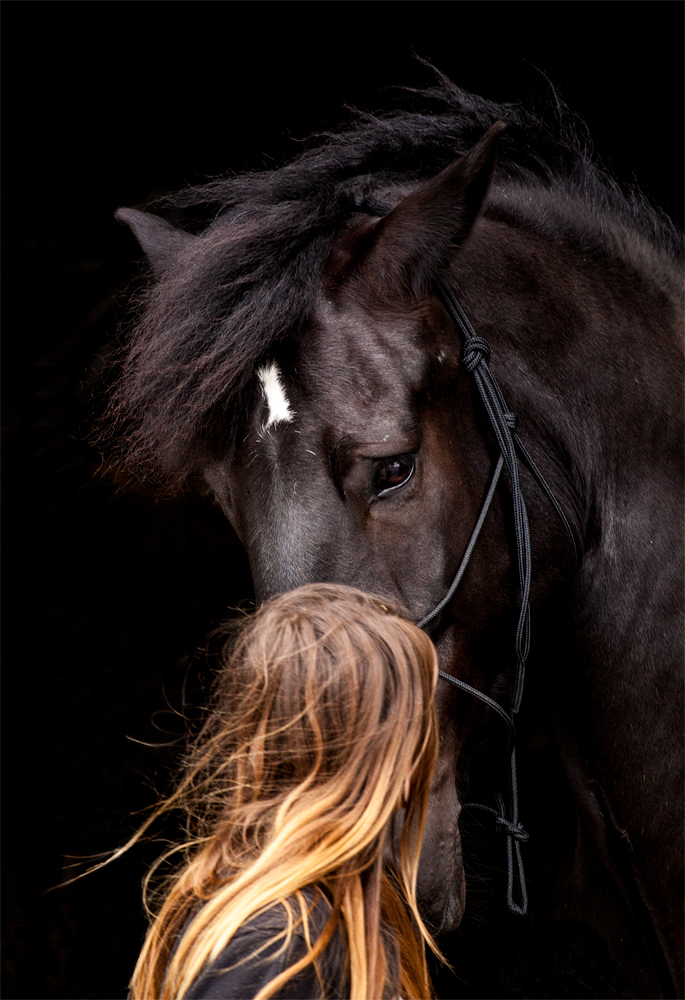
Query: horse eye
[{"x": 393, "y": 472}]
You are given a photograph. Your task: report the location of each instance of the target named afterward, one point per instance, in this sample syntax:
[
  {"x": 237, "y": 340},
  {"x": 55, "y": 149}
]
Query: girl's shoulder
[{"x": 256, "y": 954}]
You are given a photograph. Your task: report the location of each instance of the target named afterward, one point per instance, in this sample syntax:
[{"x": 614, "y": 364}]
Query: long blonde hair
[{"x": 313, "y": 766}]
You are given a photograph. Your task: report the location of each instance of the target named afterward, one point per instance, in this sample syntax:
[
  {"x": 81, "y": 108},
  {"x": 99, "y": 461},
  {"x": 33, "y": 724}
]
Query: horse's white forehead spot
[{"x": 277, "y": 401}]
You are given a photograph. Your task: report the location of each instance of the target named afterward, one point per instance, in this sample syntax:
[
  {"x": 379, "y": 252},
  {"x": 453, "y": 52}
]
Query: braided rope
[{"x": 476, "y": 358}]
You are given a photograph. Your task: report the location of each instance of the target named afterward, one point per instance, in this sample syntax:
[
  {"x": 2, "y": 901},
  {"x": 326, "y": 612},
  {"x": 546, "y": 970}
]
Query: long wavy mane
[{"x": 224, "y": 299}]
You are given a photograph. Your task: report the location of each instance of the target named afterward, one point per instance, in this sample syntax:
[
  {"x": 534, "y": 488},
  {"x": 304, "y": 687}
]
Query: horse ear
[
  {"x": 417, "y": 239},
  {"x": 159, "y": 240}
]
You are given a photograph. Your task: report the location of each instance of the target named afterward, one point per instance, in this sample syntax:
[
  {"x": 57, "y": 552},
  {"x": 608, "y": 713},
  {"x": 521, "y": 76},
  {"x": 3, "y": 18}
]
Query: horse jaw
[{"x": 441, "y": 883}]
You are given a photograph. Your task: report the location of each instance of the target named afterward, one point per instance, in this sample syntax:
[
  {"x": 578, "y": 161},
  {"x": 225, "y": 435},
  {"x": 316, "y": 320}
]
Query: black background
[{"x": 107, "y": 595}]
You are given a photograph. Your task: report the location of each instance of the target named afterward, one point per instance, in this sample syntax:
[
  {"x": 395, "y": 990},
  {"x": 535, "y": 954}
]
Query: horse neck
[{"x": 586, "y": 338}]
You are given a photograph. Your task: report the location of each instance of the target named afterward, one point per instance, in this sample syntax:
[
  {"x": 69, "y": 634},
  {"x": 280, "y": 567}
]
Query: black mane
[{"x": 221, "y": 304}]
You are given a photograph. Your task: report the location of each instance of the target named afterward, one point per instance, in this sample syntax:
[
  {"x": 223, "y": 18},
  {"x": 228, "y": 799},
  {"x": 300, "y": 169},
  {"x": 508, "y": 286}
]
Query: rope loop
[{"x": 475, "y": 351}]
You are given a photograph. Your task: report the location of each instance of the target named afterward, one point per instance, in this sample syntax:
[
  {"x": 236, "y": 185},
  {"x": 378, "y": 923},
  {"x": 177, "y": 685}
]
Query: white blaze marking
[{"x": 279, "y": 407}]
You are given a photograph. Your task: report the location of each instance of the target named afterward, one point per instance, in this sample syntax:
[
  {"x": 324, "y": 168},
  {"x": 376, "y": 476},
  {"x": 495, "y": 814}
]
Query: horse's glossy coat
[{"x": 368, "y": 464}]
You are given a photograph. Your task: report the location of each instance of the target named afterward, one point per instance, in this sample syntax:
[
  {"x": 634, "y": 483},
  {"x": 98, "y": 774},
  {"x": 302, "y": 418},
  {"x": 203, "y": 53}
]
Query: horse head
[{"x": 361, "y": 458}]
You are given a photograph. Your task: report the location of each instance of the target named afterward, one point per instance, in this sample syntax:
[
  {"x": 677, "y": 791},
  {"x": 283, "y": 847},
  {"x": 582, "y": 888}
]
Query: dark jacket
[{"x": 238, "y": 975}]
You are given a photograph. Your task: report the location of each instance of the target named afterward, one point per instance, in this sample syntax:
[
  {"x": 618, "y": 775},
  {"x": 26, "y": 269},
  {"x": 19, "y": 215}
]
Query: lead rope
[{"x": 475, "y": 357}]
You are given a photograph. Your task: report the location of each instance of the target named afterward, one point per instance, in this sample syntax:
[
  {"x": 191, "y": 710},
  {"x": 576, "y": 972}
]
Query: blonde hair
[{"x": 313, "y": 765}]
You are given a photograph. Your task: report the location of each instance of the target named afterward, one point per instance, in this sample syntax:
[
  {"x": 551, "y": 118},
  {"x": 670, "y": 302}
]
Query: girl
[{"x": 312, "y": 770}]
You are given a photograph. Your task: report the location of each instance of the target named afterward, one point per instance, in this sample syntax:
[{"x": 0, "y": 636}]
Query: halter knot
[
  {"x": 476, "y": 351},
  {"x": 514, "y": 830}
]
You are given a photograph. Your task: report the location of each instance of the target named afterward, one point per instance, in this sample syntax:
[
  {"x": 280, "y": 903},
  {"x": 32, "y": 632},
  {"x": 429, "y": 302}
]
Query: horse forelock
[{"x": 225, "y": 306}]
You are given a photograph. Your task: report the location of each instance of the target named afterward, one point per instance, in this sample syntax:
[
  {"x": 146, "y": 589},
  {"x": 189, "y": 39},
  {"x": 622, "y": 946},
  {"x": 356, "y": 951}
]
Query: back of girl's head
[{"x": 324, "y": 710}]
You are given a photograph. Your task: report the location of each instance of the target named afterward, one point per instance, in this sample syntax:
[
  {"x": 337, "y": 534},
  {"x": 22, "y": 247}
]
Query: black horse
[{"x": 295, "y": 356}]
